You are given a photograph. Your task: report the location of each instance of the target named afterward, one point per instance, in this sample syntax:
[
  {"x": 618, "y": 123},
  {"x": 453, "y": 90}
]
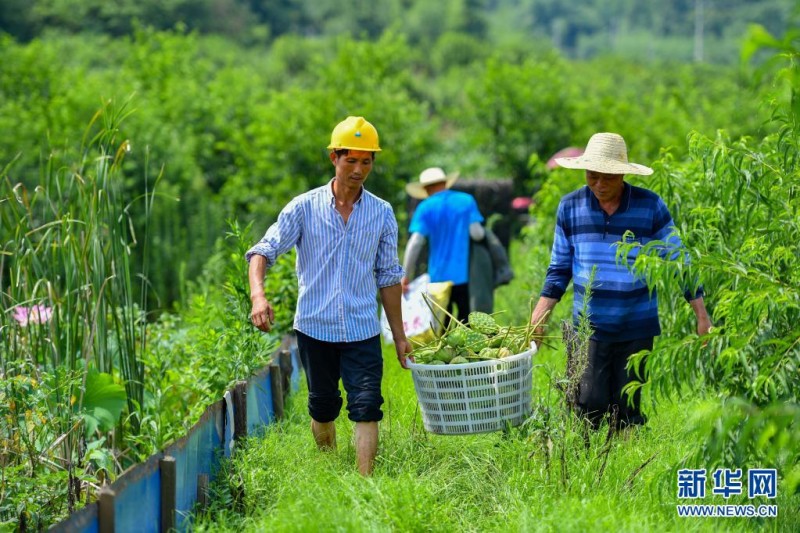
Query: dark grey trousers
[{"x": 600, "y": 388}]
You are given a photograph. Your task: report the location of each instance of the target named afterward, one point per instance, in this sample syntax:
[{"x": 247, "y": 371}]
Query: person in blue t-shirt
[
  {"x": 622, "y": 309},
  {"x": 446, "y": 220}
]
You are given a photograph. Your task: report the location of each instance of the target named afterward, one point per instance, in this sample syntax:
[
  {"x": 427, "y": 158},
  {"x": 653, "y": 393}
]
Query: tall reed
[{"x": 67, "y": 282}]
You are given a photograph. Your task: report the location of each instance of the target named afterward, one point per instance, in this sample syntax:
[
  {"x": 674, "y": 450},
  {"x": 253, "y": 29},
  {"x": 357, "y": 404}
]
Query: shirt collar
[
  {"x": 332, "y": 198},
  {"x": 624, "y": 202}
]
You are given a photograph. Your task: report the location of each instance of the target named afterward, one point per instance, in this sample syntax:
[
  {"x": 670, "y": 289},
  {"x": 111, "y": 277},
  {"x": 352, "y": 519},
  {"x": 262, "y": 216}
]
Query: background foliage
[
  {"x": 676, "y": 29},
  {"x": 236, "y": 131}
]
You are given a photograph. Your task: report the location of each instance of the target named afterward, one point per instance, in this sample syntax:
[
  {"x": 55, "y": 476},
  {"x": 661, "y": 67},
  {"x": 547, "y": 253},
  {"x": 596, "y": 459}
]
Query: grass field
[{"x": 491, "y": 482}]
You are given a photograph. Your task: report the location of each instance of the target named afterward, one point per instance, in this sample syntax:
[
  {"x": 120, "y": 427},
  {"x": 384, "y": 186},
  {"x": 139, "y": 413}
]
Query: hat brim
[
  {"x": 606, "y": 166},
  {"x": 333, "y": 148},
  {"x": 417, "y": 190}
]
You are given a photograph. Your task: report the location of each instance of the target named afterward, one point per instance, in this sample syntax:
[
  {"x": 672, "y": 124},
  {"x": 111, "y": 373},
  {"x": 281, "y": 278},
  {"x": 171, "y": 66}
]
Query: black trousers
[
  {"x": 600, "y": 388},
  {"x": 358, "y": 364},
  {"x": 460, "y": 297}
]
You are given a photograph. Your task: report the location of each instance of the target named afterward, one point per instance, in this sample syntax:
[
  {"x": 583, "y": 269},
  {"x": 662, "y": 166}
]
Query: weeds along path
[{"x": 490, "y": 482}]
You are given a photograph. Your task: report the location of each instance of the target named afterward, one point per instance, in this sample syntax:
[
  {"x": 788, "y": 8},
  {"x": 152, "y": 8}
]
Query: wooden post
[
  {"x": 105, "y": 510},
  {"x": 166, "y": 466},
  {"x": 239, "y": 410},
  {"x": 286, "y": 369},
  {"x": 202, "y": 491},
  {"x": 276, "y": 381}
]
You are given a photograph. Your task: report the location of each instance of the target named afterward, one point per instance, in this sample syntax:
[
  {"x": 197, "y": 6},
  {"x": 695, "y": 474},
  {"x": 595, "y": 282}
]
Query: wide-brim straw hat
[
  {"x": 430, "y": 176},
  {"x": 606, "y": 153}
]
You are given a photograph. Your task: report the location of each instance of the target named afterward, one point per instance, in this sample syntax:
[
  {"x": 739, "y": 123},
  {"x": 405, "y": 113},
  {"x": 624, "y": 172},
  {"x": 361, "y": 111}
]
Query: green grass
[{"x": 490, "y": 482}]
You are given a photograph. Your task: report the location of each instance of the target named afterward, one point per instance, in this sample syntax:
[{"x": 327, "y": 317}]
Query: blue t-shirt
[{"x": 444, "y": 220}]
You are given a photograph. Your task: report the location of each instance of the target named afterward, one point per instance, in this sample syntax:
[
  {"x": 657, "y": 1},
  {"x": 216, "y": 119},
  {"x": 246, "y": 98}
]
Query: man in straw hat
[
  {"x": 446, "y": 220},
  {"x": 346, "y": 240},
  {"x": 622, "y": 311}
]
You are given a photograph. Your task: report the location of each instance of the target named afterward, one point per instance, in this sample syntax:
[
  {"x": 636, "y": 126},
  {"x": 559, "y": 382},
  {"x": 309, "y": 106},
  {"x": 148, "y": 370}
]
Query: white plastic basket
[{"x": 474, "y": 397}]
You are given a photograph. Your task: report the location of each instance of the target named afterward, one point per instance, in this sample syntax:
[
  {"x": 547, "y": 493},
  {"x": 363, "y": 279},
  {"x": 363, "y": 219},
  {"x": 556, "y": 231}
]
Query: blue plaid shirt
[
  {"x": 622, "y": 307},
  {"x": 340, "y": 267}
]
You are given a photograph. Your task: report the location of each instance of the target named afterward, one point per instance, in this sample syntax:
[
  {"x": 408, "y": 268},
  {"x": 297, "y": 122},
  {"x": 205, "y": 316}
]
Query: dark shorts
[
  {"x": 600, "y": 389},
  {"x": 360, "y": 367}
]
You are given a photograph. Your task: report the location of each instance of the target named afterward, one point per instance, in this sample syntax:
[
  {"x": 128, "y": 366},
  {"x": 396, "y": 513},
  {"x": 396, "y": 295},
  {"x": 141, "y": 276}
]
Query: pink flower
[
  {"x": 38, "y": 314},
  {"x": 21, "y": 315}
]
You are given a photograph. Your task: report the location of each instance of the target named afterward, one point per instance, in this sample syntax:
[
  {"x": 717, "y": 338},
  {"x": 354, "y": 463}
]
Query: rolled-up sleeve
[
  {"x": 388, "y": 271},
  {"x": 559, "y": 273},
  {"x": 281, "y": 236}
]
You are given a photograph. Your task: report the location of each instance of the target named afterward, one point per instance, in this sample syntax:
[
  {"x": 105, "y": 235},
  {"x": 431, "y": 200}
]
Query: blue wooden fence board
[
  {"x": 84, "y": 521},
  {"x": 260, "y": 411},
  {"x": 137, "y": 503},
  {"x": 197, "y": 453}
]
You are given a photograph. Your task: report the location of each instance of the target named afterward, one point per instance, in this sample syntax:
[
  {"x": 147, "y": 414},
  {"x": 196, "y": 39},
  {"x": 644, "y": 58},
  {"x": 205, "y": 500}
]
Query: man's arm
[
  {"x": 476, "y": 231},
  {"x": 703, "y": 320},
  {"x": 388, "y": 274},
  {"x": 279, "y": 239},
  {"x": 390, "y": 297},
  {"x": 559, "y": 274},
  {"x": 665, "y": 230},
  {"x": 262, "y": 315},
  {"x": 541, "y": 313}
]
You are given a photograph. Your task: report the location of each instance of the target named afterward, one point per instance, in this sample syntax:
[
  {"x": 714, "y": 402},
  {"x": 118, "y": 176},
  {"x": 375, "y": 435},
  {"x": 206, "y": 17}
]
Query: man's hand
[
  {"x": 404, "y": 283},
  {"x": 539, "y": 317},
  {"x": 538, "y": 334},
  {"x": 403, "y": 348},
  {"x": 390, "y": 297},
  {"x": 262, "y": 316},
  {"x": 703, "y": 325},
  {"x": 703, "y": 320}
]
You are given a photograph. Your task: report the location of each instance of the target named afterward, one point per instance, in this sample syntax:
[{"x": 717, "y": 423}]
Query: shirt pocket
[{"x": 364, "y": 244}]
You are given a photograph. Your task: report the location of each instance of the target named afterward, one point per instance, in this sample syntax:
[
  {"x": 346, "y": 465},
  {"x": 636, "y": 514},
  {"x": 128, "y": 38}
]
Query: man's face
[
  {"x": 353, "y": 167},
  {"x": 606, "y": 187}
]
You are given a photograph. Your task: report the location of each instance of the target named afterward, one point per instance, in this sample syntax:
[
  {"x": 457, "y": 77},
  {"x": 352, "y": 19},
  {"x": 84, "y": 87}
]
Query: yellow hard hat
[{"x": 354, "y": 133}]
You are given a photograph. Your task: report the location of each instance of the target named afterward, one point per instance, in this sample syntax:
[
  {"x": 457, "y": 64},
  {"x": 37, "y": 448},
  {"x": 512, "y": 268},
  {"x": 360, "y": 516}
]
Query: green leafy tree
[
  {"x": 738, "y": 212},
  {"x": 514, "y": 110}
]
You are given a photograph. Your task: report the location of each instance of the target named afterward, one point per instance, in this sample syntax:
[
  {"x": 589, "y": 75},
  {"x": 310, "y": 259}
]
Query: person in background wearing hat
[
  {"x": 446, "y": 220},
  {"x": 622, "y": 311},
  {"x": 346, "y": 241}
]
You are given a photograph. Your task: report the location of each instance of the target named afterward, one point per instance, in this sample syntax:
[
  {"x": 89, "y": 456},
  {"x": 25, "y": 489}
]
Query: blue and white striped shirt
[
  {"x": 340, "y": 267},
  {"x": 621, "y": 307}
]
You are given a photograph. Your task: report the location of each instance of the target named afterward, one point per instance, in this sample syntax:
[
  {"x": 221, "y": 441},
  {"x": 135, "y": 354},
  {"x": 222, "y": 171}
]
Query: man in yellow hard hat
[{"x": 346, "y": 240}]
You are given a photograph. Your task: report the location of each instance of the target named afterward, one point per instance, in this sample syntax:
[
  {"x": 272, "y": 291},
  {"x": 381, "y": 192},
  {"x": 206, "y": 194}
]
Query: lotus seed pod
[
  {"x": 456, "y": 338},
  {"x": 475, "y": 340},
  {"x": 483, "y": 323}
]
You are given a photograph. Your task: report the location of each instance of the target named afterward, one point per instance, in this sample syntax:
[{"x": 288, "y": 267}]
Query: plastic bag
[{"x": 419, "y": 323}]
